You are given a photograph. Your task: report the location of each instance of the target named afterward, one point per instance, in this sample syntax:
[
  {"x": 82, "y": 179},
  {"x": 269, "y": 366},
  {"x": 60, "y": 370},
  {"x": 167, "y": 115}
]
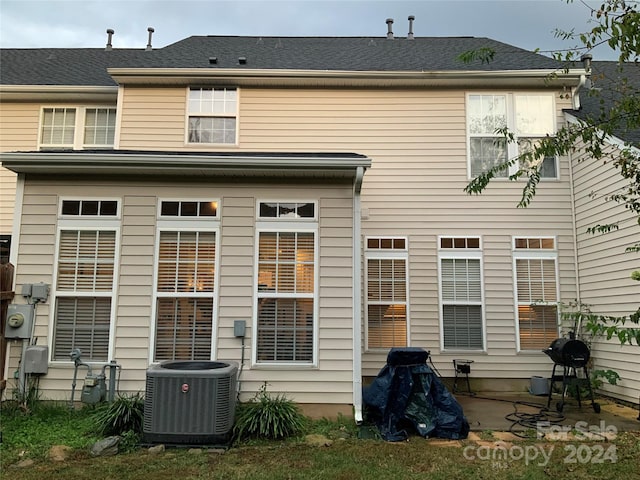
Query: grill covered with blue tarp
[{"x": 407, "y": 395}]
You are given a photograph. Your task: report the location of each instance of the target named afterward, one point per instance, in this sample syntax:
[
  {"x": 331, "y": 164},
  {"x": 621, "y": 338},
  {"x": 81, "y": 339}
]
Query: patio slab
[{"x": 517, "y": 412}]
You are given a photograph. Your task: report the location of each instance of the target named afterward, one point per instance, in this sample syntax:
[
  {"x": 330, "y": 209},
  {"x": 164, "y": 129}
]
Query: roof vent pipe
[
  {"x": 586, "y": 61},
  {"x": 150, "y": 30},
  {"x": 410, "y": 34},
  {"x": 390, "y": 28},
  {"x": 110, "y": 33}
]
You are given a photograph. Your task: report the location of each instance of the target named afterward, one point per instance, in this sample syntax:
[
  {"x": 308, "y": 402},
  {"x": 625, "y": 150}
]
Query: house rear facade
[{"x": 311, "y": 188}]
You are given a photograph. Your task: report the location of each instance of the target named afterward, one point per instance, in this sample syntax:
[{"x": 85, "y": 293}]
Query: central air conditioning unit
[{"x": 190, "y": 402}]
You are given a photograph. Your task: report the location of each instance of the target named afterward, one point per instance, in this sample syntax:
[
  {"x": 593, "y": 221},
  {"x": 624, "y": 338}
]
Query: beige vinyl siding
[
  {"x": 18, "y": 132},
  {"x": 417, "y": 140},
  {"x": 153, "y": 118},
  {"x": 605, "y": 269},
  {"x": 330, "y": 382}
]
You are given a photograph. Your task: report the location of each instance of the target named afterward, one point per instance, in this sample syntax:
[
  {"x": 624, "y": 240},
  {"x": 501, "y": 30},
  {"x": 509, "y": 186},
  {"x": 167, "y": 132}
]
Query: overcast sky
[{"x": 83, "y": 23}]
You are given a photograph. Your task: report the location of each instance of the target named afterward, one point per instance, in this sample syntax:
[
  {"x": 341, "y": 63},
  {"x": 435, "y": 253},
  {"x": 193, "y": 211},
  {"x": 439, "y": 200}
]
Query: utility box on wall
[
  {"x": 19, "y": 321},
  {"x": 36, "y": 359}
]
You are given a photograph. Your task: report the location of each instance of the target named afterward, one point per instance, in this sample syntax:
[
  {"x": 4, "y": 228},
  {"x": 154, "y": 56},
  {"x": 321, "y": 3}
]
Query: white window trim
[
  {"x": 297, "y": 226},
  {"x": 386, "y": 237},
  {"x": 179, "y": 225},
  {"x": 78, "y": 131},
  {"x": 533, "y": 254},
  {"x": 512, "y": 148},
  {"x": 386, "y": 254},
  {"x": 86, "y": 218},
  {"x": 92, "y": 225},
  {"x": 178, "y": 218},
  {"x": 213, "y": 115},
  {"x": 281, "y": 220},
  {"x": 462, "y": 253}
]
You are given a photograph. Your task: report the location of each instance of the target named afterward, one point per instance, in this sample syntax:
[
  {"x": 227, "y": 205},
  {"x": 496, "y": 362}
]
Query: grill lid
[{"x": 568, "y": 352}]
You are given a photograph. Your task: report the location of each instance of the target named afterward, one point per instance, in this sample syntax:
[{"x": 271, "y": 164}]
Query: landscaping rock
[
  {"x": 59, "y": 453},
  {"x": 156, "y": 449},
  {"x": 217, "y": 451},
  {"x": 194, "y": 451},
  {"x": 105, "y": 447},
  {"x": 315, "y": 440},
  {"x": 23, "y": 463}
]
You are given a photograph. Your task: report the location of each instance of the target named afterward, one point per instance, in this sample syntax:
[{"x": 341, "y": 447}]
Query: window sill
[{"x": 283, "y": 366}]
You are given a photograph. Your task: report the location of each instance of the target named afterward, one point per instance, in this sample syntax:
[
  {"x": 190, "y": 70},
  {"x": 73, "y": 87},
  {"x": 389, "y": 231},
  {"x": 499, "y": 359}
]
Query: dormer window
[
  {"x": 77, "y": 128},
  {"x": 212, "y": 115}
]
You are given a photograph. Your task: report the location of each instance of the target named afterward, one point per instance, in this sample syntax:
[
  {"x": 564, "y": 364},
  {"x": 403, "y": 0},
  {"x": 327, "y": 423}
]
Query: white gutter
[
  {"x": 63, "y": 89},
  {"x": 58, "y": 92},
  {"x": 357, "y": 297},
  {"x": 293, "y": 73},
  {"x": 164, "y": 163},
  {"x": 545, "y": 78}
]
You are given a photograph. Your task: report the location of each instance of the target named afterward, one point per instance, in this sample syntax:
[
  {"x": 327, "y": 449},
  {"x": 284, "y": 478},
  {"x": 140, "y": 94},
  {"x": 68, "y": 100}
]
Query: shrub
[
  {"x": 123, "y": 415},
  {"x": 266, "y": 416}
]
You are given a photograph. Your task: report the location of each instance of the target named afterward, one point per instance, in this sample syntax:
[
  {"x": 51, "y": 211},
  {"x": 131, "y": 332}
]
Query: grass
[
  {"x": 347, "y": 458},
  {"x": 30, "y": 435}
]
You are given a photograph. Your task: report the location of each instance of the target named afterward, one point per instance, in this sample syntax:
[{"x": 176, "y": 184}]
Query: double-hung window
[
  {"x": 186, "y": 280},
  {"x": 535, "y": 272},
  {"x": 212, "y": 115},
  {"x": 530, "y": 117},
  {"x": 461, "y": 293},
  {"x": 286, "y": 304},
  {"x": 386, "y": 274},
  {"x": 85, "y": 279},
  {"x": 77, "y": 127}
]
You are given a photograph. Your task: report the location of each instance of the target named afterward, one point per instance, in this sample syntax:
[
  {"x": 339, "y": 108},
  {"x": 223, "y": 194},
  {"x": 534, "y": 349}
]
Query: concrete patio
[{"x": 518, "y": 411}]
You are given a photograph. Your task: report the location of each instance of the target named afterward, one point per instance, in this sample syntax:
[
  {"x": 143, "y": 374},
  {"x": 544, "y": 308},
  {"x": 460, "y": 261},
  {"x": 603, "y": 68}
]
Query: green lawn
[{"x": 347, "y": 458}]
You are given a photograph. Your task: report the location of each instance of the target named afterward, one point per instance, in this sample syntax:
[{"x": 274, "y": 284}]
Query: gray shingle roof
[
  {"x": 88, "y": 66},
  {"x": 610, "y": 81}
]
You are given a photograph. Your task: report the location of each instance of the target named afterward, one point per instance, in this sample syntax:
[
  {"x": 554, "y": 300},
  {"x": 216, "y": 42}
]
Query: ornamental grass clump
[
  {"x": 269, "y": 417},
  {"x": 125, "y": 414}
]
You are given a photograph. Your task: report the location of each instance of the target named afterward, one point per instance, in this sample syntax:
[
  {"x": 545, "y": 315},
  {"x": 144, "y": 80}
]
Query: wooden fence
[{"x": 6, "y": 295}]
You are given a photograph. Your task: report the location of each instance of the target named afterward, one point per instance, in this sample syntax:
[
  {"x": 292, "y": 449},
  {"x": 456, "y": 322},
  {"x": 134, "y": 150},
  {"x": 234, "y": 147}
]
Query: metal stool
[{"x": 462, "y": 367}]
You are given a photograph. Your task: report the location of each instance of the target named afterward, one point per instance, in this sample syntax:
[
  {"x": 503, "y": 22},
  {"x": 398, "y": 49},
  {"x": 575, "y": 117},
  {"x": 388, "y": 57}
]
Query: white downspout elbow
[{"x": 575, "y": 94}]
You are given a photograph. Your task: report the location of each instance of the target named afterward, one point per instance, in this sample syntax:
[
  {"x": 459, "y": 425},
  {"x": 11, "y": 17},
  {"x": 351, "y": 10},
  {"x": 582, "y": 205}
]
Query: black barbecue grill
[{"x": 571, "y": 355}]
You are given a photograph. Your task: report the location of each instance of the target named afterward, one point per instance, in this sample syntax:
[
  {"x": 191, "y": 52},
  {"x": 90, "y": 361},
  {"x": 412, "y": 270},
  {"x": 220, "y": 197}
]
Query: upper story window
[
  {"x": 212, "y": 115},
  {"x": 77, "y": 127},
  {"x": 530, "y": 117}
]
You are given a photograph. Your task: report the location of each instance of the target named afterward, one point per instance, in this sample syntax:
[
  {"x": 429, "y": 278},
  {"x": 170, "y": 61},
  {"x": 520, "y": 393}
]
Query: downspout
[
  {"x": 357, "y": 297},
  {"x": 585, "y": 80},
  {"x": 575, "y": 94},
  {"x": 575, "y": 227}
]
